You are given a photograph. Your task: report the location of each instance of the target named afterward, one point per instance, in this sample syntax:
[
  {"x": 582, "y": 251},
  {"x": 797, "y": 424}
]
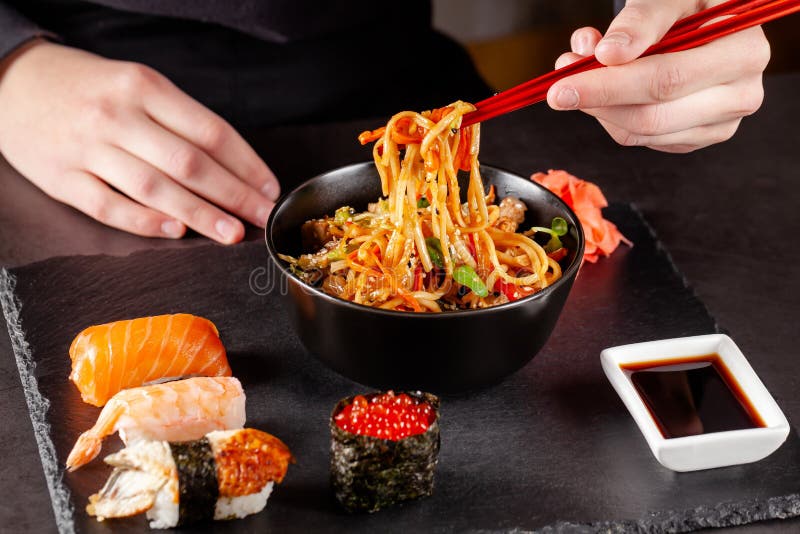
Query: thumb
[{"x": 640, "y": 24}]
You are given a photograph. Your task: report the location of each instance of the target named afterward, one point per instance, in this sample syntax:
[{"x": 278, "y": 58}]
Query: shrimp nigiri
[
  {"x": 224, "y": 475},
  {"x": 172, "y": 411},
  {"x": 111, "y": 357}
]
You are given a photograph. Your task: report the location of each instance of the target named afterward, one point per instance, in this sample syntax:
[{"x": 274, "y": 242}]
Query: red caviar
[{"x": 386, "y": 416}]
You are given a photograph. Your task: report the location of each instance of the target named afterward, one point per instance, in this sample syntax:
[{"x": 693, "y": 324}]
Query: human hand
[
  {"x": 675, "y": 102},
  {"x": 121, "y": 143}
]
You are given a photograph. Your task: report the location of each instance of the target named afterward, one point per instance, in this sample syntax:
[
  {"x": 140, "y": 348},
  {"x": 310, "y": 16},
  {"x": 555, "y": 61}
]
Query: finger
[
  {"x": 148, "y": 185},
  {"x": 640, "y": 24},
  {"x": 721, "y": 103},
  {"x": 194, "y": 169},
  {"x": 678, "y": 142},
  {"x": 178, "y": 112},
  {"x": 91, "y": 196},
  {"x": 584, "y": 40},
  {"x": 566, "y": 58},
  {"x": 664, "y": 77}
]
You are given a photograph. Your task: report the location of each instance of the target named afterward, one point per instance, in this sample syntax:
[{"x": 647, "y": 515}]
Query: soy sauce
[{"x": 692, "y": 396}]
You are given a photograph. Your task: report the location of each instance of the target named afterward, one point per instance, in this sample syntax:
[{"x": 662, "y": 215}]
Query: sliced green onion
[
  {"x": 381, "y": 207},
  {"x": 336, "y": 254},
  {"x": 559, "y": 226},
  {"x": 435, "y": 243},
  {"x": 434, "y": 247},
  {"x": 423, "y": 203},
  {"x": 553, "y": 245},
  {"x": 342, "y": 214},
  {"x": 436, "y": 257},
  {"x": 466, "y": 276},
  {"x": 342, "y": 249}
]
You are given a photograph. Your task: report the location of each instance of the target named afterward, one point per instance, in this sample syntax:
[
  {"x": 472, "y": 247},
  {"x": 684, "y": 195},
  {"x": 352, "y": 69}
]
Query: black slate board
[{"x": 552, "y": 447}]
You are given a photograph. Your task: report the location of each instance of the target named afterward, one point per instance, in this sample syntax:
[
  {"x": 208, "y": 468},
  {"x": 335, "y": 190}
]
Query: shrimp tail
[
  {"x": 89, "y": 443},
  {"x": 85, "y": 450}
]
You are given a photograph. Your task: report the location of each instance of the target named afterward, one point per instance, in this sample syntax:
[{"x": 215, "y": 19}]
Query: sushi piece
[
  {"x": 224, "y": 475},
  {"x": 111, "y": 357},
  {"x": 384, "y": 449},
  {"x": 173, "y": 411}
]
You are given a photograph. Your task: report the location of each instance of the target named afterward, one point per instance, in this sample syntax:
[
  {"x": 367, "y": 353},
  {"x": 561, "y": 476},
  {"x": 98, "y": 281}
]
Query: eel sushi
[
  {"x": 173, "y": 411},
  {"x": 224, "y": 475},
  {"x": 384, "y": 449},
  {"x": 111, "y": 357}
]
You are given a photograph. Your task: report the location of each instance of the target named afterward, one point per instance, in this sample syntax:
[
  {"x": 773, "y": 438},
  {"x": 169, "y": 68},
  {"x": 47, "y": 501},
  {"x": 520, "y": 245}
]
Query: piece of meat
[
  {"x": 335, "y": 285},
  {"x": 512, "y": 213},
  {"x": 319, "y": 259},
  {"x": 315, "y": 234}
]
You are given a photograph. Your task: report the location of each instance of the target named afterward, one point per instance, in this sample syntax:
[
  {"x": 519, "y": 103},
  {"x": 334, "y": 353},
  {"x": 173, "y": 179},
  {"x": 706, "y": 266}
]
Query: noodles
[{"x": 420, "y": 248}]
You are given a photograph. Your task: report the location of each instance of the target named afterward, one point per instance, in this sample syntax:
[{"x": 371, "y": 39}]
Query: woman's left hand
[{"x": 676, "y": 102}]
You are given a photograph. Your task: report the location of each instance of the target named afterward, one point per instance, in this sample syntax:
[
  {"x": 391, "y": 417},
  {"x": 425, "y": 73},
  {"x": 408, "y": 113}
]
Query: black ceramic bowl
[{"x": 440, "y": 352}]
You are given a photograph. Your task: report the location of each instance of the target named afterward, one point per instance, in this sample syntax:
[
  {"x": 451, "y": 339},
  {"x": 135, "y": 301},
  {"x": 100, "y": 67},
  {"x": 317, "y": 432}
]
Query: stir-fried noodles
[{"x": 419, "y": 248}]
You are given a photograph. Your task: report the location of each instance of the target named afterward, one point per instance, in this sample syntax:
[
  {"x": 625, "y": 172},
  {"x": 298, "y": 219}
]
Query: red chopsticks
[{"x": 686, "y": 33}]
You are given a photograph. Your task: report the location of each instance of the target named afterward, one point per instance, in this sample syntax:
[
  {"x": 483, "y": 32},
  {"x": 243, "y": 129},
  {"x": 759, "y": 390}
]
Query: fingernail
[
  {"x": 583, "y": 47},
  {"x": 271, "y": 190},
  {"x": 567, "y": 98},
  {"x": 263, "y": 213},
  {"x": 226, "y": 229},
  {"x": 617, "y": 39},
  {"x": 172, "y": 228}
]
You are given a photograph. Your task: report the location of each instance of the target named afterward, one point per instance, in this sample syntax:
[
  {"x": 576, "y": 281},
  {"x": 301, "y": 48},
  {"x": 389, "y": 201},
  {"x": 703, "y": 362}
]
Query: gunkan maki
[{"x": 384, "y": 449}]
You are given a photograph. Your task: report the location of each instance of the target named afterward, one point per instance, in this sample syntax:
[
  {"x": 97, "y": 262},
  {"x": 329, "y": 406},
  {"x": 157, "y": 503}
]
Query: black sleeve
[{"x": 16, "y": 30}]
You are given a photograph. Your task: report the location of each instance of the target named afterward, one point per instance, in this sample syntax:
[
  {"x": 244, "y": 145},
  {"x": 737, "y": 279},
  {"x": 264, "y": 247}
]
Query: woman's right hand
[{"x": 121, "y": 143}]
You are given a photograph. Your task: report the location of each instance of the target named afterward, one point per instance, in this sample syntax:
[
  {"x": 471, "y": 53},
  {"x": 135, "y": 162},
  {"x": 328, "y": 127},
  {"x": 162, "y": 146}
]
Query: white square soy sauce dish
[{"x": 713, "y": 448}]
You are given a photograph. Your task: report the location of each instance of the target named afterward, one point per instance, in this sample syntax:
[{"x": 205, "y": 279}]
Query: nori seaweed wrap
[
  {"x": 197, "y": 480},
  {"x": 369, "y": 473}
]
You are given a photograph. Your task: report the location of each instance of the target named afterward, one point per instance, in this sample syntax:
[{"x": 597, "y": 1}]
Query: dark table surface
[{"x": 726, "y": 214}]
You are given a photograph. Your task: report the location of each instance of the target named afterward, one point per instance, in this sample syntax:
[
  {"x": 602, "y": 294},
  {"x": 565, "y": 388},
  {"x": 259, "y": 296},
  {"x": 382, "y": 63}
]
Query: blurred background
[{"x": 512, "y": 41}]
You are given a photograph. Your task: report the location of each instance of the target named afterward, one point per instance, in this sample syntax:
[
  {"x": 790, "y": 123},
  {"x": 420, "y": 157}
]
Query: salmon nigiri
[
  {"x": 182, "y": 410},
  {"x": 111, "y": 357}
]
